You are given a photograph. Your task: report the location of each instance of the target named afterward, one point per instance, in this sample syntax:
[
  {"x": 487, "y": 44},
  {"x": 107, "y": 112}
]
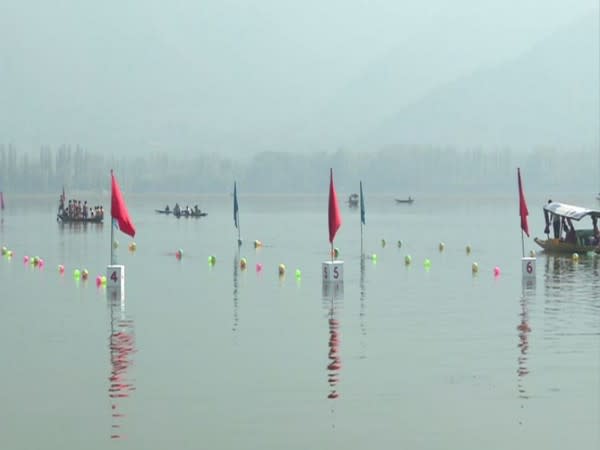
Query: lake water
[{"x": 212, "y": 356}]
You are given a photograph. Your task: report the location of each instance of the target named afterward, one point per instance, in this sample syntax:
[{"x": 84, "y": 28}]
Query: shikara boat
[
  {"x": 585, "y": 240},
  {"x": 64, "y": 218}
]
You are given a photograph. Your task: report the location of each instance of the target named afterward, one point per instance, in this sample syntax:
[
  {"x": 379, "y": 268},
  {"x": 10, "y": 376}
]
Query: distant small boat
[
  {"x": 182, "y": 213},
  {"x": 353, "y": 200},
  {"x": 405, "y": 200}
]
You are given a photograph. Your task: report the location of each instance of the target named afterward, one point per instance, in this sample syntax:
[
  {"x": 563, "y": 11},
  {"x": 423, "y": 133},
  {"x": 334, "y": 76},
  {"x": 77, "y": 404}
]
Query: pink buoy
[
  {"x": 496, "y": 271},
  {"x": 61, "y": 269},
  {"x": 41, "y": 263},
  {"x": 259, "y": 267},
  {"x": 99, "y": 281},
  {"x": 25, "y": 259}
]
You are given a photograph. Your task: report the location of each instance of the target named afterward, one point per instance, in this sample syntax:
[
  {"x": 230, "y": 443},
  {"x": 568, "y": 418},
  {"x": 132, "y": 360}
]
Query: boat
[
  {"x": 353, "y": 200},
  {"x": 65, "y": 218},
  {"x": 182, "y": 212},
  {"x": 405, "y": 200},
  {"x": 76, "y": 212},
  {"x": 584, "y": 241},
  {"x": 192, "y": 213}
]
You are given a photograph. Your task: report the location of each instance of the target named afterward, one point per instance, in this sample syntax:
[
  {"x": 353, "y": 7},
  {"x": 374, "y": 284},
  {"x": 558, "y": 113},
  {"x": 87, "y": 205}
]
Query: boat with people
[
  {"x": 65, "y": 218},
  {"x": 408, "y": 200},
  {"x": 565, "y": 238},
  {"x": 178, "y": 212},
  {"x": 76, "y": 211},
  {"x": 353, "y": 200}
]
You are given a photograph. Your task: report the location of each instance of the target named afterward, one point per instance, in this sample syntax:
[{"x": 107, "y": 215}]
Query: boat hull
[
  {"x": 558, "y": 246},
  {"x": 182, "y": 213},
  {"x": 66, "y": 219}
]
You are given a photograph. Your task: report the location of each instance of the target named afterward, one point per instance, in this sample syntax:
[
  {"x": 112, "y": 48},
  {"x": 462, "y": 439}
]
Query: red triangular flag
[
  {"x": 118, "y": 209},
  {"x": 523, "y": 212},
  {"x": 335, "y": 219}
]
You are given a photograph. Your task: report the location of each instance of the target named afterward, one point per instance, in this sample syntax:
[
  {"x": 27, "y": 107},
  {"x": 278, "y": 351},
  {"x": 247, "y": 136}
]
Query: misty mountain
[{"x": 546, "y": 96}]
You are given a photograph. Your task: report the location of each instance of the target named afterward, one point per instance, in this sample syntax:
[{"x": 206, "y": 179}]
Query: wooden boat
[
  {"x": 405, "y": 200},
  {"x": 192, "y": 213},
  {"x": 353, "y": 200},
  {"x": 182, "y": 213},
  {"x": 585, "y": 240},
  {"x": 64, "y": 218}
]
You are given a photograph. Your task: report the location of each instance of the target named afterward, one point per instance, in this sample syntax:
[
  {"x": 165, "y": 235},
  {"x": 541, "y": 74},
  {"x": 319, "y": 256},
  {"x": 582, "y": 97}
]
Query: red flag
[
  {"x": 335, "y": 219},
  {"x": 523, "y": 212},
  {"x": 118, "y": 209}
]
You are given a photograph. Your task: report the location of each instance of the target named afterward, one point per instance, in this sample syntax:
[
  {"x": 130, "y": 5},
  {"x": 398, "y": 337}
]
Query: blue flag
[
  {"x": 235, "y": 206},
  {"x": 362, "y": 205}
]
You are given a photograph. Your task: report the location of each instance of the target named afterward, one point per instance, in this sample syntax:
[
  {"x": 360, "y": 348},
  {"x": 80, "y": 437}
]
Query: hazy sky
[{"x": 229, "y": 75}]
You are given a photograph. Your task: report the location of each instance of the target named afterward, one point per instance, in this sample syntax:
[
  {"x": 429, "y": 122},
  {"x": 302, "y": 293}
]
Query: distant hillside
[{"x": 548, "y": 96}]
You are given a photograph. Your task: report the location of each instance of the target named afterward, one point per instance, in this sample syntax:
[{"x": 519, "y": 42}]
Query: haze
[{"x": 239, "y": 78}]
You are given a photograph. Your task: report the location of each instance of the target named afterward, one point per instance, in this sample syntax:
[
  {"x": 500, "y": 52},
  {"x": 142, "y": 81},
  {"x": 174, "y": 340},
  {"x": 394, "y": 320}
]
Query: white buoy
[
  {"x": 333, "y": 271},
  {"x": 115, "y": 281},
  {"x": 528, "y": 267}
]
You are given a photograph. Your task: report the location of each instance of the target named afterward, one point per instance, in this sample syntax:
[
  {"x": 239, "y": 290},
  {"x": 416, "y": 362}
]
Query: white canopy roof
[{"x": 570, "y": 211}]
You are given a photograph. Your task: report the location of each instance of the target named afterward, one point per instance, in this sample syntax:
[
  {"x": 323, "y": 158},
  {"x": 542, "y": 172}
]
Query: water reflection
[
  {"x": 236, "y": 259},
  {"x": 362, "y": 313},
  {"x": 524, "y": 329},
  {"x": 79, "y": 227},
  {"x": 121, "y": 349},
  {"x": 331, "y": 301}
]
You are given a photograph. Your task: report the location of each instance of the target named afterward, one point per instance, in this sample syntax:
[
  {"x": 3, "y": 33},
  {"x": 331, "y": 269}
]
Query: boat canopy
[{"x": 570, "y": 211}]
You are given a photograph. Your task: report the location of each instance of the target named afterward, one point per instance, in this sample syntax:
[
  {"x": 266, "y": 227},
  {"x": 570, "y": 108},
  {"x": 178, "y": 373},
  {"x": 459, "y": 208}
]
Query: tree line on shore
[{"x": 401, "y": 169}]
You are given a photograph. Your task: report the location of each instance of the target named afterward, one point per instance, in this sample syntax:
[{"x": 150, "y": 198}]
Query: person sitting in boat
[
  {"x": 196, "y": 210},
  {"x": 177, "y": 209},
  {"x": 167, "y": 209}
]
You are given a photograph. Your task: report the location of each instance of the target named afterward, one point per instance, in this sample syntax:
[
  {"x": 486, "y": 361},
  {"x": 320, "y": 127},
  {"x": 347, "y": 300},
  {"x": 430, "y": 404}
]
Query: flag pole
[
  {"x": 522, "y": 244},
  {"x": 112, "y": 226}
]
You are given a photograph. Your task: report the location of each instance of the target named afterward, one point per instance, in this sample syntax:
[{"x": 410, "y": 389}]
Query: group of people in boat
[
  {"x": 564, "y": 230},
  {"x": 76, "y": 210},
  {"x": 187, "y": 211}
]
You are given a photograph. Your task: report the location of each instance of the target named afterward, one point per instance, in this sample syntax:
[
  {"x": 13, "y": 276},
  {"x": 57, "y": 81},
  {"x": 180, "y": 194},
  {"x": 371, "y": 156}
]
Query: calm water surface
[{"x": 202, "y": 356}]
